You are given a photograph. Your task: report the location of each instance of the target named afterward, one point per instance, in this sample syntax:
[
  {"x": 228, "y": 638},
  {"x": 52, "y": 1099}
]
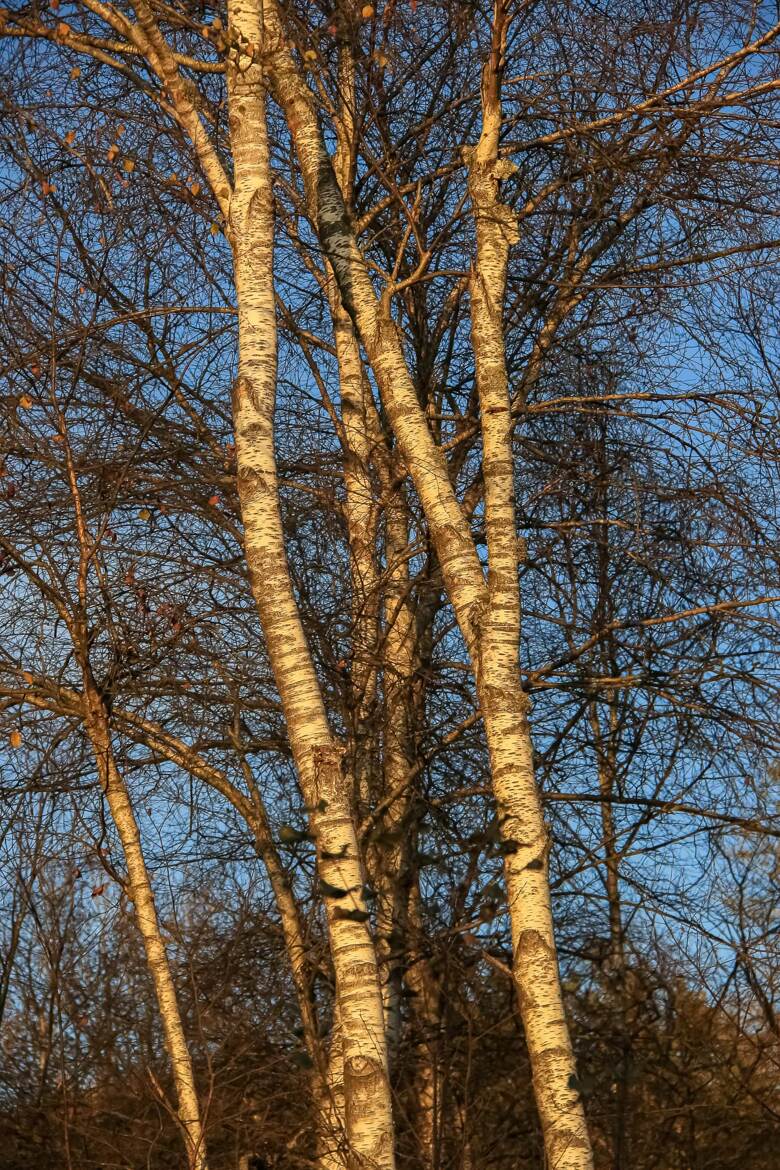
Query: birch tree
[{"x": 429, "y": 442}]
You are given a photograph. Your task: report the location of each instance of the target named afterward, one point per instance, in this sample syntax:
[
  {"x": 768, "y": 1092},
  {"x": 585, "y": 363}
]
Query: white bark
[
  {"x": 318, "y": 757},
  {"x": 139, "y": 890},
  {"x": 332, "y": 1142},
  {"x": 362, "y": 516},
  {"x": 504, "y": 705},
  {"x": 368, "y": 473}
]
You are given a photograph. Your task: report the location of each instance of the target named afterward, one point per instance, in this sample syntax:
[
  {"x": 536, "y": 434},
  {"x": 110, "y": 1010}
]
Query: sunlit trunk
[
  {"x": 525, "y": 836},
  {"x": 139, "y": 890},
  {"x": 318, "y": 757},
  {"x": 332, "y": 1143}
]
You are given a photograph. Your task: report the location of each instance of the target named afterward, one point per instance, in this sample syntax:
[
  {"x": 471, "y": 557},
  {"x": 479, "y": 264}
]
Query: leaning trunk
[
  {"x": 504, "y": 705},
  {"x": 139, "y": 890},
  {"x": 318, "y": 757}
]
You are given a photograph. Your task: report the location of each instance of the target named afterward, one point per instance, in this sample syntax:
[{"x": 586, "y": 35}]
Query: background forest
[{"x": 389, "y": 553}]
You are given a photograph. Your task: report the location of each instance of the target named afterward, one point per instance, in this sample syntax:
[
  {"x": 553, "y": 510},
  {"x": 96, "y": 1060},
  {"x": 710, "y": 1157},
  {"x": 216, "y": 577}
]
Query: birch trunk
[
  {"x": 503, "y": 702},
  {"x": 361, "y": 436},
  {"x": 139, "y": 890},
  {"x": 332, "y": 1143},
  {"x": 317, "y": 755},
  {"x": 395, "y": 654},
  {"x": 366, "y": 444},
  {"x": 427, "y": 1019},
  {"x": 362, "y": 520},
  {"x": 367, "y": 471},
  {"x": 390, "y": 861},
  {"x": 399, "y": 921}
]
